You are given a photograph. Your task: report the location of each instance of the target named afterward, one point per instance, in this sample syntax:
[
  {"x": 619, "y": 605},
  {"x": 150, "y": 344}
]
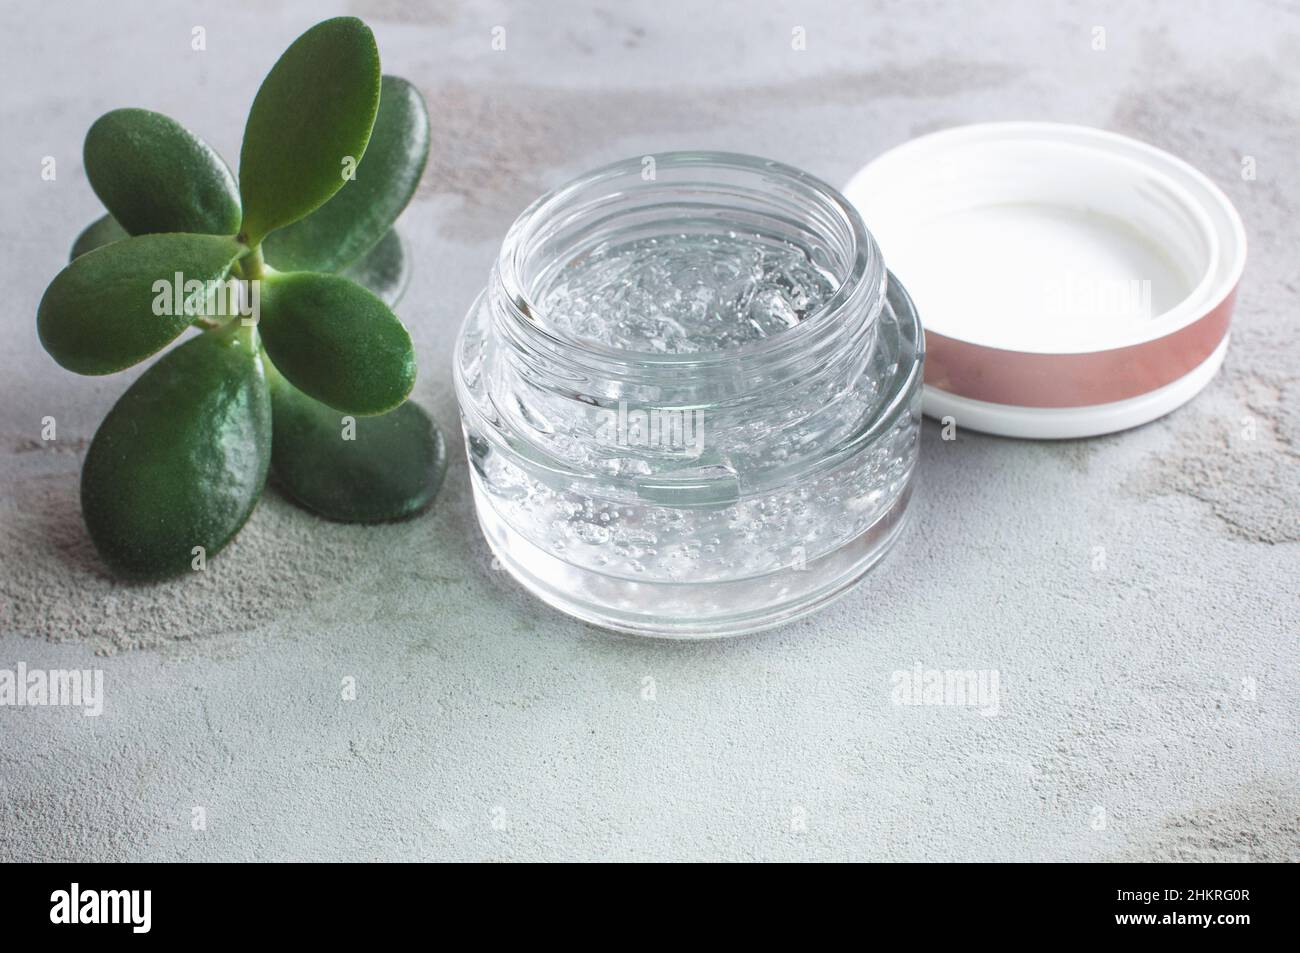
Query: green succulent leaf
[
  {"x": 383, "y": 270},
  {"x": 355, "y": 469},
  {"x": 154, "y": 175},
  {"x": 309, "y": 125},
  {"x": 357, "y": 217},
  {"x": 114, "y": 306},
  {"x": 102, "y": 231},
  {"x": 181, "y": 460},
  {"x": 336, "y": 342}
]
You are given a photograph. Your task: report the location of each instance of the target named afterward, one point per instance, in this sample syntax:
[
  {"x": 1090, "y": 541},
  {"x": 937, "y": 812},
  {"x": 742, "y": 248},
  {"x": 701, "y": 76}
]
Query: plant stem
[{"x": 252, "y": 264}]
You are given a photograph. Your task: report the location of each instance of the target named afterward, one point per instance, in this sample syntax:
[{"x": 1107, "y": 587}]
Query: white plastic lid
[{"x": 1071, "y": 281}]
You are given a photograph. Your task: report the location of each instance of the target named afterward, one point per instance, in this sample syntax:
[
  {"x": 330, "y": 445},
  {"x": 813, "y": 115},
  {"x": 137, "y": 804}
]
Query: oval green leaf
[
  {"x": 102, "y": 231},
  {"x": 354, "y": 469},
  {"x": 384, "y": 270},
  {"x": 336, "y": 342},
  {"x": 181, "y": 460},
  {"x": 309, "y": 125},
  {"x": 154, "y": 175},
  {"x": 352, "y": 222},
  {"x": 116, "y": 305}
]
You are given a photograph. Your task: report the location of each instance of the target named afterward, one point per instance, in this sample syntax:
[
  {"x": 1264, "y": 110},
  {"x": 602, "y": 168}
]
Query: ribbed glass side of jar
[{"x": 648, "y": 485}]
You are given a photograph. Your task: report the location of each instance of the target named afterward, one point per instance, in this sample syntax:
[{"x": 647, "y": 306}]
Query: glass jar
[{"x": 691, "y": 396}]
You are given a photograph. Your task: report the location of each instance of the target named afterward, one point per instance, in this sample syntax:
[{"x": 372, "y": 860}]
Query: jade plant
[{"x": 298, "y": 368}]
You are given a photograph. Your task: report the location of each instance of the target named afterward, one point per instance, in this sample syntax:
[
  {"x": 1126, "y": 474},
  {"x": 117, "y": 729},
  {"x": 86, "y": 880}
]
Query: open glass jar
[{"x": 691, "y": 396}]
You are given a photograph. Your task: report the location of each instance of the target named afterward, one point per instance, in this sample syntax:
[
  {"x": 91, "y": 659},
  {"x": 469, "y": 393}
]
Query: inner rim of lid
[{"x": 1013, "y": 236}]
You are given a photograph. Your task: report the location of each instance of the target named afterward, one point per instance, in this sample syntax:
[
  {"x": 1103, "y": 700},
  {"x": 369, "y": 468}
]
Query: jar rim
[
  {"x": 895, "y": 401},
  {"x": 865, "y": 273}
]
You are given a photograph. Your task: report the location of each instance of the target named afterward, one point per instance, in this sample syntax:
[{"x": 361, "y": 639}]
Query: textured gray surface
[{"x": 1136, "y": 593}]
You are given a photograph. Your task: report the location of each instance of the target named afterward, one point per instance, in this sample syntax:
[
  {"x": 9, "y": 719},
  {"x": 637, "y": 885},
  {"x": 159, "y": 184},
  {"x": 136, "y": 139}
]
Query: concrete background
[{"x": 1136, "y": 593}]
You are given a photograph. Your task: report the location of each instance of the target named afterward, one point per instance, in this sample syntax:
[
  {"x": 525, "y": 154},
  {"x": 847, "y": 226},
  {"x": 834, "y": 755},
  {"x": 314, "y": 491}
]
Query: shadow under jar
[{"x": 691, "y": 396}]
